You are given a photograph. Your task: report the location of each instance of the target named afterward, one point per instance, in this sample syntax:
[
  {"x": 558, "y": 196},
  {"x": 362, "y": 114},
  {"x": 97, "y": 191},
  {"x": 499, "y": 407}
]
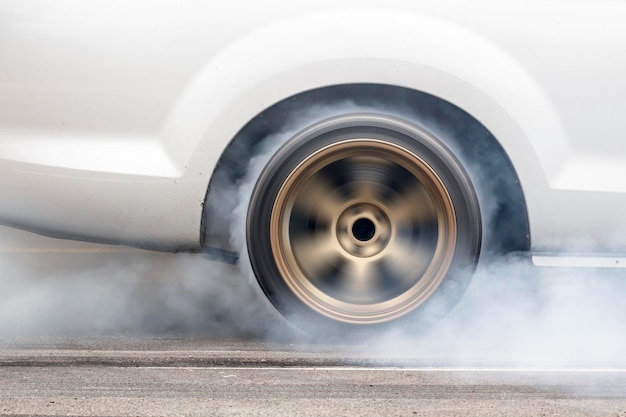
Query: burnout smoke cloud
[
  {"x": 126, "y": 291},
  {"x": 512, "y": 313}
]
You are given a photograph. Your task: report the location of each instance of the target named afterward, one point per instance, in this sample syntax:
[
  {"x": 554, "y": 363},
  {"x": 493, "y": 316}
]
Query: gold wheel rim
[{"x": 363, "y": 231}]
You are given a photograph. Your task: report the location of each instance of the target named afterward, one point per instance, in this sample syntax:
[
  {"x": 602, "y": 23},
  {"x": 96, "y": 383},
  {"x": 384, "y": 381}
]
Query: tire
[{"x": 363, "y": 220}]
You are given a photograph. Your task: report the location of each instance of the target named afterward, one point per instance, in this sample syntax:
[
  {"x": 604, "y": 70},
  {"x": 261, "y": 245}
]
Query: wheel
[{"x": 362, "y": 220}]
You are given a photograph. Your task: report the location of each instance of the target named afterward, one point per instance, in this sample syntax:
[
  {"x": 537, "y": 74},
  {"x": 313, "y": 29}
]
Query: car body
[{"x": 114, "y": 116}]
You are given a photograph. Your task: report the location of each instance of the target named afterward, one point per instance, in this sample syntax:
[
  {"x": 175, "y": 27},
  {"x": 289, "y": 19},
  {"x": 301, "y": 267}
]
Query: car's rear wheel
[{"x": 361, "y": 220}]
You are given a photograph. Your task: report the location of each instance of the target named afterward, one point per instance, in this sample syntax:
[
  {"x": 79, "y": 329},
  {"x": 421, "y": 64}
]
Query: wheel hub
[{"x": 363, "y": 230}]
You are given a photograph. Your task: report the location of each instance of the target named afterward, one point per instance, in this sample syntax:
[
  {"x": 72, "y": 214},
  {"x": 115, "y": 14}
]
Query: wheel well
[{"x": 505, "y": 219}]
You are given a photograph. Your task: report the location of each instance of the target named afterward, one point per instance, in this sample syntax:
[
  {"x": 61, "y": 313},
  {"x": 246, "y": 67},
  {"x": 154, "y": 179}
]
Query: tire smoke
[
  {"x": 512, "y": 313},
  {"x": 515, "y": 314},
  {"x": 75, "y": 289}
]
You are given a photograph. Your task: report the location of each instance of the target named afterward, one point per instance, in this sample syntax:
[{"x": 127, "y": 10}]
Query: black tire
[{"x": 371, "y": 186}]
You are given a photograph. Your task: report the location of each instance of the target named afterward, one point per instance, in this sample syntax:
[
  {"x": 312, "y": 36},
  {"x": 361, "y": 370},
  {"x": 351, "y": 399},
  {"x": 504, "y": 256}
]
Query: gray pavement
[{"x": 186, "y": 375}]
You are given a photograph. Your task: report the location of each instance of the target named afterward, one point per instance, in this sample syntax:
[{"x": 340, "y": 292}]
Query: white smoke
[
  {"x": 512, "y": 313},
  {"x": 97, "y": 292}
]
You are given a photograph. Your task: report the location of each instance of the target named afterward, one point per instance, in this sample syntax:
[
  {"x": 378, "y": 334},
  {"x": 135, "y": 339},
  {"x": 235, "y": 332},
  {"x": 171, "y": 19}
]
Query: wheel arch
[
  {"x": 491, "y": 170},
  {"x": 417, "y": 53}
]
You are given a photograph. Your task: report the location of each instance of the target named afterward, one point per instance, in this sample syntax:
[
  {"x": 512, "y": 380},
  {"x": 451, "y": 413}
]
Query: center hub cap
[{"x": 363, "y": 230}]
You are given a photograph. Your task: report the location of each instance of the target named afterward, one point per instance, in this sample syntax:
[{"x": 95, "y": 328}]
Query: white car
[{"x": 374, "y": 150}]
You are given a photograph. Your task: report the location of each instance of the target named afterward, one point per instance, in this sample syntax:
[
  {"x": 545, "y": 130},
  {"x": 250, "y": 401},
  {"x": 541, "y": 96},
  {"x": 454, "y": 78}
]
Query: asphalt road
[{"x": 176, "y": 375}]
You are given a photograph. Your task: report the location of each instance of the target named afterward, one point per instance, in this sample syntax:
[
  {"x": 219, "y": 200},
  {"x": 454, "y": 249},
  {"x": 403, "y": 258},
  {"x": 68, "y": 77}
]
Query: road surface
[{"x": 184, "y": 375}]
